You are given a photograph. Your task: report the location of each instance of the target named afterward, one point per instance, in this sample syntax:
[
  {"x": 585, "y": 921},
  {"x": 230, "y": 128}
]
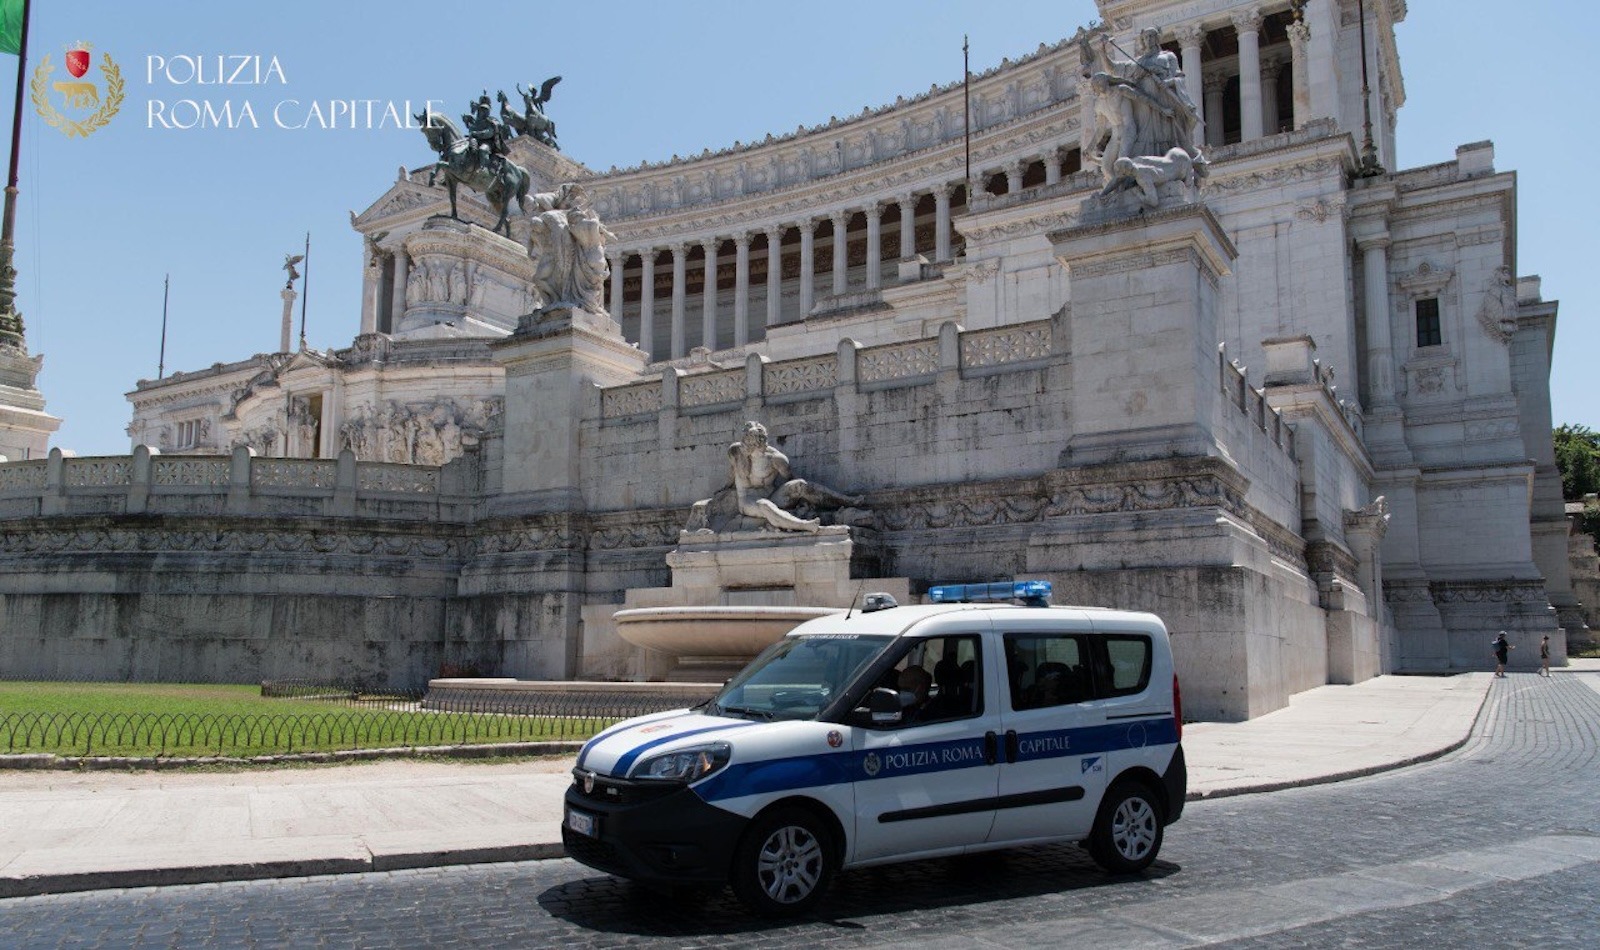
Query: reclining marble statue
[
  {"x": 762, "y": 489},
  {"x": 1144, "y": 129}
]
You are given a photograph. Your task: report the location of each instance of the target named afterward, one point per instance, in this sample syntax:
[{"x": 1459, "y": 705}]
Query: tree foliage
[{"x": 1578, "y": 458}]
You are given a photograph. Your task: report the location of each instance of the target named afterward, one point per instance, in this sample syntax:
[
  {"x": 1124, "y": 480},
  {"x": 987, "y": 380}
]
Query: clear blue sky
[{"x": 103, "y": 218}]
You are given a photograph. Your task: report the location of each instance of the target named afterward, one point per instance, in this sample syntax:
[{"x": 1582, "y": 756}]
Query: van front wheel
[
  {"x": 1127, "y": 832},
  {"x": 783, "y": 863}
]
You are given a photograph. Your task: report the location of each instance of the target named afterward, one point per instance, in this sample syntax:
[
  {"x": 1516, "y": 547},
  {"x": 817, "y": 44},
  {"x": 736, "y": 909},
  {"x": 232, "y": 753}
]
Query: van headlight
[{"x": 685, "y": 765}]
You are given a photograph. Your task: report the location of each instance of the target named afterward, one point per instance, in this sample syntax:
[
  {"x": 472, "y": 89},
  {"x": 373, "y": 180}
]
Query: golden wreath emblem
[{"x": 77, "y": 95}]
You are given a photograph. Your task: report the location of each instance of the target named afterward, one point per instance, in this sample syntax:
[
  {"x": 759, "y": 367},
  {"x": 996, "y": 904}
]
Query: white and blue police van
[{"x": 896, "y": 733}]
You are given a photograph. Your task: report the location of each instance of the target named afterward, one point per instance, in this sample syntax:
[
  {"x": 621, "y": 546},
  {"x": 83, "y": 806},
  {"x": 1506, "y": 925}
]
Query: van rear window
[{"x": 1129, "y": 658}]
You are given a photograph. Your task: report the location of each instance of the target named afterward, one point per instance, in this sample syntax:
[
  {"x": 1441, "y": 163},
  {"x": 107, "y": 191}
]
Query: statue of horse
[
  {"x": 499, "y": 180},
  {"x": 531, "y": 122}
]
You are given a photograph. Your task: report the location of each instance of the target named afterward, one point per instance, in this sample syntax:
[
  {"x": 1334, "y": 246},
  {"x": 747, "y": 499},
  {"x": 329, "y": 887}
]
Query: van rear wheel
[
  {"x": 1128, "y": 829},
  {"x": 783, "y": 863}
]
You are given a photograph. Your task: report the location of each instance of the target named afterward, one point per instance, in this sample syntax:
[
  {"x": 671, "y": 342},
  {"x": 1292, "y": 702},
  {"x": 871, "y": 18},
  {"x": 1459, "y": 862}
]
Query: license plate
[{"x": 583, "y": 824}]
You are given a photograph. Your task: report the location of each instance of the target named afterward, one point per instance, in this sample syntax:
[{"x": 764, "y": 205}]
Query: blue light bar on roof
[{"x": 1032, "y": 593}]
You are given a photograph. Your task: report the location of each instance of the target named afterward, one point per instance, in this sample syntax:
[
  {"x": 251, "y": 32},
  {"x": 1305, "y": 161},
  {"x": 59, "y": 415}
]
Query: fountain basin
[{"x": 711, "y": 643}]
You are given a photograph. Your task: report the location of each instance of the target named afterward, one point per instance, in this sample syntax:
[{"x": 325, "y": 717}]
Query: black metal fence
[{"x": 372, "y": 717}]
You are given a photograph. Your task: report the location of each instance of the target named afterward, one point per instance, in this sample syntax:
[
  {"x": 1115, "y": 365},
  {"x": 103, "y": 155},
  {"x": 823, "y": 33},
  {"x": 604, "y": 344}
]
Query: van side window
[
  {"x": 1128, "y": 662},
  {"x": 939, "y": 679},
  {"x": 1048, "y": 669}
]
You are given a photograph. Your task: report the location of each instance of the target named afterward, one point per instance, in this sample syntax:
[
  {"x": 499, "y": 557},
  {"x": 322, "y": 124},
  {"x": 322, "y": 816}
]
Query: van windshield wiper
[{"x": 766, "y": 714}]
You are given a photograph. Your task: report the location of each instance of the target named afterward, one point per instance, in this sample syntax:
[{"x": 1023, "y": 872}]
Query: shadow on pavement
[{"x": 865, "y": 900}]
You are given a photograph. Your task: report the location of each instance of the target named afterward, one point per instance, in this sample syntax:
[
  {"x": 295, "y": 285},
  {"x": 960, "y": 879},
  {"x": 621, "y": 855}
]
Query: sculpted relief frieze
[
  {"x": 1282, "y": 175},
  {"x": 430, "y": 433},
  {"x": 315, "y": 539}
]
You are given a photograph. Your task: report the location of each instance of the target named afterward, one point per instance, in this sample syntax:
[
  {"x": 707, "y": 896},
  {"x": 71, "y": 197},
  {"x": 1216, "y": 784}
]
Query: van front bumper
[{"x": 652, "y": 833}]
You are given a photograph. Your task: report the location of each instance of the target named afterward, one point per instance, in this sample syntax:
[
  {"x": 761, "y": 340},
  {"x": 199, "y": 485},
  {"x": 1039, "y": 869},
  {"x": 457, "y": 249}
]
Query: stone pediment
[
  {"x": 406, "y": 198},
  {"x": 308, "y": 359}
]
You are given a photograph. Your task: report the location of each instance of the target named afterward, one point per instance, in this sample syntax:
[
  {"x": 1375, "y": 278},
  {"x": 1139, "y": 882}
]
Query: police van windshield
[{"x": 797, "y": 677}]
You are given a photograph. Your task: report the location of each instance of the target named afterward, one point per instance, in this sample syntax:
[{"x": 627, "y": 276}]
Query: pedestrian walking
[
  {"x": 1544, "y": 655},
  {"x": 1502, "y": 650}
]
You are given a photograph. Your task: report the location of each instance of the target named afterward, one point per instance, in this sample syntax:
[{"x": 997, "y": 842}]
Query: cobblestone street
[{"x": 1494, "y": 845}]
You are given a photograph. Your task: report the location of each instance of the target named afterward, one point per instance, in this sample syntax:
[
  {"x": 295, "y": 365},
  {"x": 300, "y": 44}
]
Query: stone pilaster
[{"x": 1322, "y": 62}]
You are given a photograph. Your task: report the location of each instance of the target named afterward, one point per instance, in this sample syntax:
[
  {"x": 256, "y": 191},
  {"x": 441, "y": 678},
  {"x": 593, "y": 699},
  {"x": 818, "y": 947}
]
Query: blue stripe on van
[
  {"x": 628, "y": 758},
  {"x": 836, "y": 768}
]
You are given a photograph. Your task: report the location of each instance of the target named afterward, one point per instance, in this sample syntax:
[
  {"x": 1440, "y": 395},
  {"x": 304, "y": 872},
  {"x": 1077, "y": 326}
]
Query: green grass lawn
[{"x": 148, "y": 719}]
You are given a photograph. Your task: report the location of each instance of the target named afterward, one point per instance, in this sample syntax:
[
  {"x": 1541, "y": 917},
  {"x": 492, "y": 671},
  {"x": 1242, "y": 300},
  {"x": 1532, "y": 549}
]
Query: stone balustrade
[
  {"x": 241, "y": 484},
  {"x": 1252, "y": 401},
  {"x": 895, "y": 364}
]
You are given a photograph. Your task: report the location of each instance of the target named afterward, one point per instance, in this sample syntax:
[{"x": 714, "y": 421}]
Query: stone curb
[
  {"x": 1344, "y": 776},
  {"x": 157, "y": 763},
  {"x": 206, "y": 874}
]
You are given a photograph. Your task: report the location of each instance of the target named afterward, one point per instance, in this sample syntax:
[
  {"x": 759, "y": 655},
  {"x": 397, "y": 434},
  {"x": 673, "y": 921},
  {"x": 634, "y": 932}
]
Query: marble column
[
  {"x": 370, "y": 276},
  {"x": 1380, "y": 351},
  {"x": 1248, "y": 23},
  {"x": 774, "y": 275},
  {"x": 1269, "y": 97},
  {"x": 874, "y": 245},
  {"x": 841, "y": 244},
  {"x": 1215, "y": 86},
  {"x": 647, "y": 301},
  {"x": 741, "y": 288},
  {"x": 808, "y": 265},
  {"x": 1014, "y": 172},
  {"x": 1299, "y": 34},
  {"x": 708, "y": 295},
  {"x": 615, "y": 258},
  {"x": 397, "y": 294},
  {"x": 1190, "y": 36},
  {"x": 908, "y": 226},
  {"x": 680, "y": 290},
  {"x": 941, "y": 222},
  {"x": 1052, "y": 166}
]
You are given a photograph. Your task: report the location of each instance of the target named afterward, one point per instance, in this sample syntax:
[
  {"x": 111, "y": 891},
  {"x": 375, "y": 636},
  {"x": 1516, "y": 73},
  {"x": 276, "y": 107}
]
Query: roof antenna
[{"x": 856, "y": 598}]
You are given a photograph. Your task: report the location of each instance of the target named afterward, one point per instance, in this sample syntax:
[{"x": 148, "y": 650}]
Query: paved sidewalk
[{"x": 65, "y": 831}]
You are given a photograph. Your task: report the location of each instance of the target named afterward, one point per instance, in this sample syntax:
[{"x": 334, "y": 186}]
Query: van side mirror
[{"x": 884, "y": 707}]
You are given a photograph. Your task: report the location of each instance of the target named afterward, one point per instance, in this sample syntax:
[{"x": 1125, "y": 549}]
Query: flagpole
[
  {"x": 966, "y": 110},
  {"x": 11, "y": 330},
  {"x": 161, "y": 362},
  {"x": 305, "y": 291}
]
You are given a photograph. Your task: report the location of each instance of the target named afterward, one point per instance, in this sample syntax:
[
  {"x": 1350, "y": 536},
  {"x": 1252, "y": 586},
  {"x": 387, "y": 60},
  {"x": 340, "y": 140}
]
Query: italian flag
[{"x": 11, "y": 26}]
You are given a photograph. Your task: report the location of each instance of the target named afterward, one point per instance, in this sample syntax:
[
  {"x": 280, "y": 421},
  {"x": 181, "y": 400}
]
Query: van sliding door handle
[
  {"x": 989, "y": 745},
  {"x": 1011, "y": 746}
]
